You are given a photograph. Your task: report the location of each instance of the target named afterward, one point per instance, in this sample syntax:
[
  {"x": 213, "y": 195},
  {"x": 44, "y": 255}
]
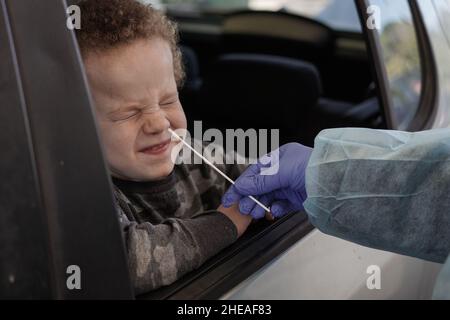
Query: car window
[
  {"x": 442, "y": 8},
  {"x": 341, "y": 15},
  {"x": 401, "y": 55},
  {"x": 436, "y": 15}
]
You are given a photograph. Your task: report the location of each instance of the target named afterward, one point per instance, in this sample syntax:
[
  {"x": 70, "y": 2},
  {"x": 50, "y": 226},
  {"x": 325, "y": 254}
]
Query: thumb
[
  {"x": 231, "y": 197},
  {"x": 257, "y": 184}
]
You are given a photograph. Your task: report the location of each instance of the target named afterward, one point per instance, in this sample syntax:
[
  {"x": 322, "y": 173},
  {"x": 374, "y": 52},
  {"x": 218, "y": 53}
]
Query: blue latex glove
[{"x": 284, "y": 191}]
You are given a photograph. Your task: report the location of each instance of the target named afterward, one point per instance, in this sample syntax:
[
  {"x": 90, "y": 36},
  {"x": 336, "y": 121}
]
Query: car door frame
[
  {"x": 60, "y": 229},
  {"x": 426, "y": 111}
]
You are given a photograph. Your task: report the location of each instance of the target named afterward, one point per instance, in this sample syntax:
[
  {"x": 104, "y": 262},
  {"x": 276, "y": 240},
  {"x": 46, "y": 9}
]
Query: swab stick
[{"x": 214, "y": 167}]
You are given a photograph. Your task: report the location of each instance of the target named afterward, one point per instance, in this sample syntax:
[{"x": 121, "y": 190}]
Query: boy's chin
[
  {"x": 145, "y": 173},
  {"x": 158, "y": 172}
]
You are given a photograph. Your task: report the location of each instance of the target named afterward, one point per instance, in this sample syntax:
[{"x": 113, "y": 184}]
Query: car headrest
[
  {"x": 264, "y": 80},
  {"x": 260, "y": 92},
  {"x": 278, "y": 25}
]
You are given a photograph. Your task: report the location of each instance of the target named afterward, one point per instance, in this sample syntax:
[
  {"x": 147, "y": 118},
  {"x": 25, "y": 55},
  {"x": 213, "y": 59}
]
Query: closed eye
[
  {"x": 126, "y": 115},
  {"x": 168, "y": 103},
  {"x": 169, "y": 100}
]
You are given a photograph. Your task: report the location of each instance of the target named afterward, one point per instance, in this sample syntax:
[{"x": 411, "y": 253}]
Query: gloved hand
[{"x": 285, "y": 190}]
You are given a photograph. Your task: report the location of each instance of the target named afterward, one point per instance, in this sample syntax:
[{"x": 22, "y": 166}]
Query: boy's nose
[{"x": 156, "y": 122}]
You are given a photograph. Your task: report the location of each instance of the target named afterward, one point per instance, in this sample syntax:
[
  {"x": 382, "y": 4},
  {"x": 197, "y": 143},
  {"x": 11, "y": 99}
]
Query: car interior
[
  {"x": 268, "y": 70},
  {"x": 261, "y": 69}
]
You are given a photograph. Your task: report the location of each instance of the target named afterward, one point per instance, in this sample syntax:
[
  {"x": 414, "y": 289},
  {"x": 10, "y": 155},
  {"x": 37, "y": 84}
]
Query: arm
[
  {"x": 240, "y": 221},
  {"x": 158, "y": 255},
  {"x": 384, "y": 189}
]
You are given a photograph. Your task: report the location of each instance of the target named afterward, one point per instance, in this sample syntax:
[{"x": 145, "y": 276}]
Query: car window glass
[
  {"x": 443, "y": 9},
  {"x": 436, "y": 16},
  {"x": 400, "y": 52}
]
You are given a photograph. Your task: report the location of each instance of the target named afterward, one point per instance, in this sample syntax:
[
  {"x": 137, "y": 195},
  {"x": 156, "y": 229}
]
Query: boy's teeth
[{"x": 157, "y": 146}]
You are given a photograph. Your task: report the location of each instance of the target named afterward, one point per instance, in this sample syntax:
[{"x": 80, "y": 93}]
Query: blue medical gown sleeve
[{"x": 388, "y": 190}]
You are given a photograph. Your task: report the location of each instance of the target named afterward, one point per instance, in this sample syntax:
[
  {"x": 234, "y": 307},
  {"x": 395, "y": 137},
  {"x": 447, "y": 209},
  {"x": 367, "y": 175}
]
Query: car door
[{"x": 60, "y": 236}]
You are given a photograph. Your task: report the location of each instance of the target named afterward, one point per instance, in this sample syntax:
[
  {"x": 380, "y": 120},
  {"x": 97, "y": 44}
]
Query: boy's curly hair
[{"x": 107, "y": 24}]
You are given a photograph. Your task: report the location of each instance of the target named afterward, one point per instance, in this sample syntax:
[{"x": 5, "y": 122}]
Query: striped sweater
[{"x": 172, "y": 226}]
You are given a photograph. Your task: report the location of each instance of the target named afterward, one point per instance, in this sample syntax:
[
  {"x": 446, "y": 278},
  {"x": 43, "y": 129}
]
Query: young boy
[{"x": 171, "y": 215}]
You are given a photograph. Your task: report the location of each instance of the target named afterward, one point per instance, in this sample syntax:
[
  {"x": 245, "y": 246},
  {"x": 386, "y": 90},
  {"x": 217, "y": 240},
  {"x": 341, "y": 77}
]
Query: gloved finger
[
  {"x": 258, "y": 212},
  {"x": 246, "y": 205},
  {"x": 231, "y": 197},
  {"x": 281, "y": 208},
  {"x": 256, "y": 184}
]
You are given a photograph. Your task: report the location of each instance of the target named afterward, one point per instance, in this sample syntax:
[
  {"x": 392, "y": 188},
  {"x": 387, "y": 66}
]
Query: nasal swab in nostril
[{"x": 214, "y": 167}]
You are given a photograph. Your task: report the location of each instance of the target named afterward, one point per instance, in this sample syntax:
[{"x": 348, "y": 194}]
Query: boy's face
[{"x": 136, "y": 99}]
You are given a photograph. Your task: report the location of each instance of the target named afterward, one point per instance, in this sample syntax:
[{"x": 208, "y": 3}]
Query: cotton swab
[{"x": 215, "y": 168}]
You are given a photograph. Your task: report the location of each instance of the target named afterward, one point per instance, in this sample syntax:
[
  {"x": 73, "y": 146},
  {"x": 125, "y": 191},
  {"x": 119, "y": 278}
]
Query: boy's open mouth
[{"x": 157, "y": 148}]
